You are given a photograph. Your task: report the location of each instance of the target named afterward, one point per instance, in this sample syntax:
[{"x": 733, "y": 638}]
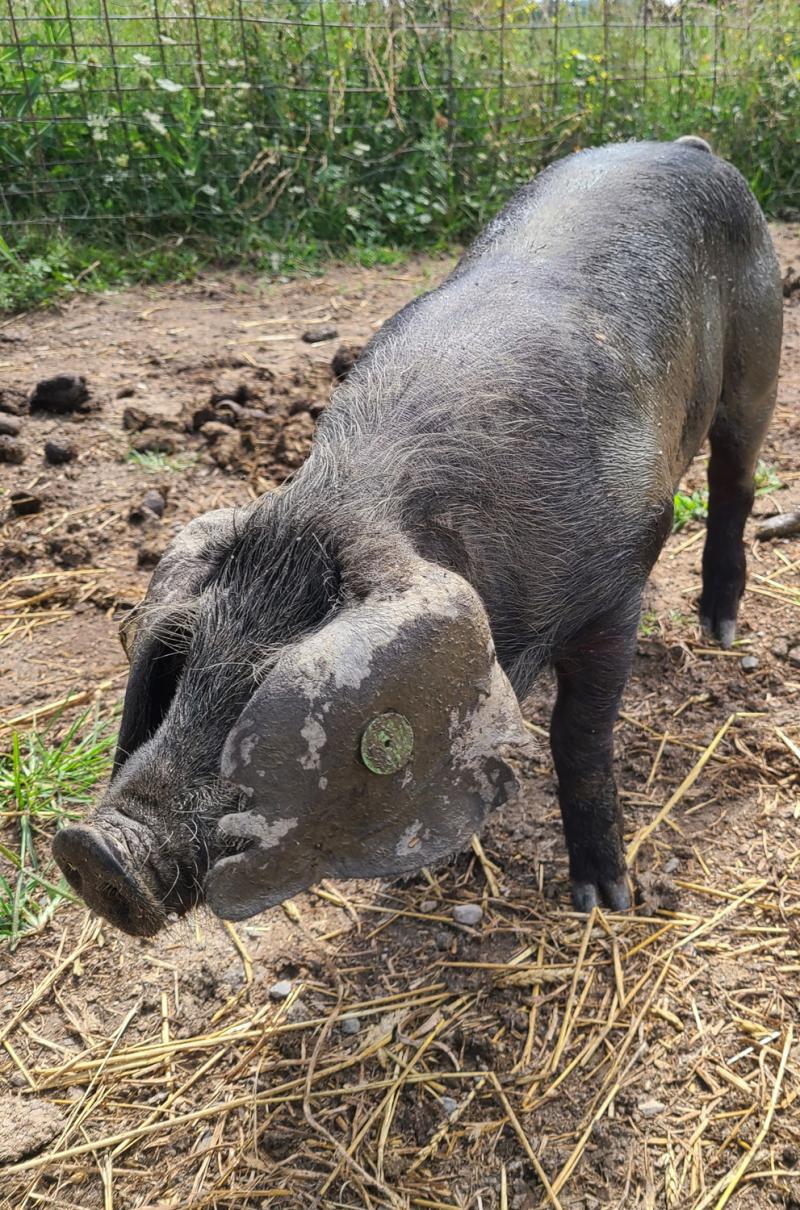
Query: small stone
[
  {"x": 155, "y": 502},
  {"x": 672, "y": 865},
  {"x": 62, "y": 393},
  {"x": 449, "y": 1105},
  {"x": 57, "y": 452},
  {"x": 443, "y": 940},
  {"x": 25, "y": 504},
  {"x": 468, "y": 913},
  {"x": 794, "y": 657},
  {"x": 750, "y": 662},
  {"x": 126, "y": 390},
  {"x": 9, "y": 426},
  {"x": 315, "y": 336},
  {"x": 281, "y": 989},
  {"x": 427, "y": 906},
  {"x": 780, "y": 648},
  {"x": 11, "y": 450},
  {"x": 651, "y": 1108},
  {"x": 351, "y": 1025}
]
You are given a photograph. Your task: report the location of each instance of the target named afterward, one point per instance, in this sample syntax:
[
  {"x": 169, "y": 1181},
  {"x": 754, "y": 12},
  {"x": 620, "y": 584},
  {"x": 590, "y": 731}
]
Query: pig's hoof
[
  {"x": 613, "y": 894},
  {"x": 723, "y": 630}
]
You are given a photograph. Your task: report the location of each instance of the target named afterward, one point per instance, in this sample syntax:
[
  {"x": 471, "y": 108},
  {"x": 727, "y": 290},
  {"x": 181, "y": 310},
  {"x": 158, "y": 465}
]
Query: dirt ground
[{"x": 358, "y": 1048}]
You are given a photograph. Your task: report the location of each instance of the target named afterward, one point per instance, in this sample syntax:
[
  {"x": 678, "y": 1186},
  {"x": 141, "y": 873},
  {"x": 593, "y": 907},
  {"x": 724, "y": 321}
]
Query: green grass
[
  {"x": 45, "y": 268},
  {"x": 46, "y": 780},
  {"x": 648, "y": 624},
  {"x": 693, "y": 506},
  {"x": 155, "y": 461},
  {"x": 273, "y": 135}
]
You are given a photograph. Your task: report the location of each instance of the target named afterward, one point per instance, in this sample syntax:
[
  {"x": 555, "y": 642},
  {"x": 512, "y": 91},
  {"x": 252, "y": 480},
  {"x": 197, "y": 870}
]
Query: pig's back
[
  {"x": 540, "y": 405},
  {"x": 637, "y": 207}
]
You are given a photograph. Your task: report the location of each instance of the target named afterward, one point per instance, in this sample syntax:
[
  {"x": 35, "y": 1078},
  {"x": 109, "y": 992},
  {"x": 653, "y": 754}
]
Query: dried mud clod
[
  {"x": 295, "y": 441},
  {"x": 235, "y": 389},
  {"x": 58, "y": 453},
  {"x": 69, "y": 552},
  {"x": 11, "y": 450},
  {"x": 344, "y": 359},
  {"x": 9, "y": 426},
  {"x": 791, "y": 281},
  {"x": 156, "y": 441},
  {"x": 62, "y": 393},
  {"x": 26, "y": 1126},
  {"x": 25, "y": 504},
  {"x": 13, "y": 402},
  {"x": 315, "y": 336},
  {"x": 656, "y": 892},
  {"x": 149, "y": 553}
]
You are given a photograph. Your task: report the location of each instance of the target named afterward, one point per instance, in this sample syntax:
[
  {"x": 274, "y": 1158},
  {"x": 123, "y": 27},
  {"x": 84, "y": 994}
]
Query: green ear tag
[{"x": 387, "y": 743}]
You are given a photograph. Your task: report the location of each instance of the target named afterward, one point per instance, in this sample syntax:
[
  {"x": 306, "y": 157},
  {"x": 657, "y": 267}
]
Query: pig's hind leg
[
  {"x": 592, "y": 670},
  {"x": 735, "y": 440},
  {"x": 749, "y": 386}
]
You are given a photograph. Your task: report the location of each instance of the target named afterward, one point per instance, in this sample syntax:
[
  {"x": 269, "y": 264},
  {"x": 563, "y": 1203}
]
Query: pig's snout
[{"x": 96, "y": 868}]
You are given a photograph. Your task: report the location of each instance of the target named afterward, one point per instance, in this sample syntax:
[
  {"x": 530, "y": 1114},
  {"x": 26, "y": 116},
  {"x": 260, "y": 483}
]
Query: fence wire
[{"x": 376, "y": 120}]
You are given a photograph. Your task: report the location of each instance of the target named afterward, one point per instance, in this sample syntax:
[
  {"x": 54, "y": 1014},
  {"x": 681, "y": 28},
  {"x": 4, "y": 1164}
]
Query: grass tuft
[
  {"x": 47, "y": 780},
  {"x": 156, "y": 461}
]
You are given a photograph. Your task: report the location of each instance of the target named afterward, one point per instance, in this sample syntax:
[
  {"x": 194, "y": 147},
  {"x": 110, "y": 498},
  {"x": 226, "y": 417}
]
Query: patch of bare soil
[{"x": 360, "y": 1047}]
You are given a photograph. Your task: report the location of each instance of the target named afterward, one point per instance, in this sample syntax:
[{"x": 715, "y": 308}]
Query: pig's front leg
[{"x": 592, "y": 670}]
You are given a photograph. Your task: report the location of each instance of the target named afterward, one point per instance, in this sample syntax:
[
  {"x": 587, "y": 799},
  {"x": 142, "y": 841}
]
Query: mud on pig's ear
[
  {"x": 150, "y": 631},
  {"x": 373, "y": 747}
]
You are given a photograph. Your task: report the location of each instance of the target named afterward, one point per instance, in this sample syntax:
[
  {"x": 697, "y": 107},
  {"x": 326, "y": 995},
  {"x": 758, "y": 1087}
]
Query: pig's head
[{"x": 300, "y": 705}]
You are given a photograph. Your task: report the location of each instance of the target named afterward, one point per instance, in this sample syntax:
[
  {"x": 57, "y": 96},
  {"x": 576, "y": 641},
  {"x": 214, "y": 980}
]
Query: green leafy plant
[
  {"x": 689, "y": 507},
  {"x": 45, "y": 780},
  {"x": 767, "y": 479}
]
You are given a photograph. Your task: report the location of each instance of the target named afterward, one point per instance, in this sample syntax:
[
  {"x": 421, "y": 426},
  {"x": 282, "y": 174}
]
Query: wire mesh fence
[{"x": 376, "y": 120}]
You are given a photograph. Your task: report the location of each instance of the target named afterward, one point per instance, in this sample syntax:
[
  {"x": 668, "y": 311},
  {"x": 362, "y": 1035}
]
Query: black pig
[{"x": 314, "y": 687}]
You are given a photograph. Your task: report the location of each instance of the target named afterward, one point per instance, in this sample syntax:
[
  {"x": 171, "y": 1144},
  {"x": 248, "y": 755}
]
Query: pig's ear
[
  {"x": 374, "y": 747},
  {"x": 150, "y": 632}
]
